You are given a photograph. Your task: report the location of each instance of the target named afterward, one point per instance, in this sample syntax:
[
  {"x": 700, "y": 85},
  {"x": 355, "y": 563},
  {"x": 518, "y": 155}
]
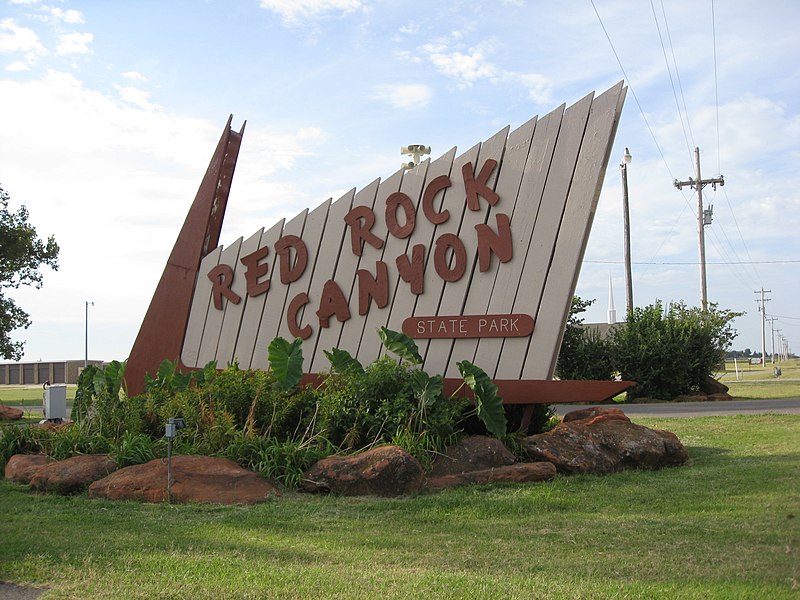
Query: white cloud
[
  {"x": 74, "y": 43},
  {"x": 136, "y": 97},
  {"x": 409, "y": 29},
  {"x": 14, "y": 38},
  {"x": 73, "y": 17},
  {"x": 18, "y": 66},
  {"x": 298, "y": 11},
  {"x": 407, "y": 56},
  {"x": 135, "y": 76},
  {"x": 472, "y": 65},
  {"x": 403, "y": 96}
]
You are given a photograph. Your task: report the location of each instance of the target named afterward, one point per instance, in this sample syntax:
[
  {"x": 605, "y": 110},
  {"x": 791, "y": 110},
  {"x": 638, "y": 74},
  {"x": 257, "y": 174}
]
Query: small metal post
[{"x": 169, "y": 470}]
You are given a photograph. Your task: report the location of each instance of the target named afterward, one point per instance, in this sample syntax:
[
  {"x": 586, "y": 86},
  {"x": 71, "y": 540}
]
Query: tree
[{"x": 22, "y": 253}]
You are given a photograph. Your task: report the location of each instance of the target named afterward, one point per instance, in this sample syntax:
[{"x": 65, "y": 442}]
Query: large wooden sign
[{"x": 475, "y": 254}]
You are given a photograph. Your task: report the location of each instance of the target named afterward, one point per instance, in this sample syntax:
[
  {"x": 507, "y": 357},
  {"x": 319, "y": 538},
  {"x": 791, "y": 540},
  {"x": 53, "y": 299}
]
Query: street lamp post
[
  {"x": 86, "y": 338},
  {"x": 623, "y": 166}
]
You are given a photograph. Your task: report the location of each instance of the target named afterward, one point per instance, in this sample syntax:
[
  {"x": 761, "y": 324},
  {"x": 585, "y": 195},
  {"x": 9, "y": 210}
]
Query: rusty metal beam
[{"x": 164, "y": 326}]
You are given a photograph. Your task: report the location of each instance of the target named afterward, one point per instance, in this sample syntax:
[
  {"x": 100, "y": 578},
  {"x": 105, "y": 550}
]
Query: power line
[{"x": 672, "y": 83}]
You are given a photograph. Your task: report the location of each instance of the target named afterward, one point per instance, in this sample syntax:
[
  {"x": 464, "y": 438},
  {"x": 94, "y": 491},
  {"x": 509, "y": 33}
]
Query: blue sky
[{"x": 111, "y": 111}]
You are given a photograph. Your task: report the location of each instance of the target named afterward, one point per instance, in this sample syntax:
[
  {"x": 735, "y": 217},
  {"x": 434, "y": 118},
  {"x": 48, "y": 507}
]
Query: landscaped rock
[
  {"x": 605, "y": 445},
  {"x": 21, "y": 467},
  {"x": 9, "y": 413},
  {"x": 711, "y": 386},
  {"x": 595, "y": 414},
  {"x": 72, "y": 475},
  {"x": 474, "y": 453},
  {"x": 194, "y": 479},
  {"x": 517, "y": 473},
  {"x": 384, "y": 471}
]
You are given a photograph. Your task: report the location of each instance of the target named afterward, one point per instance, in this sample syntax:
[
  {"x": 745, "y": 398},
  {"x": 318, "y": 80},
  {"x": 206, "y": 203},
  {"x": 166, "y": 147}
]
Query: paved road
[{"x": 700, "y": 409}]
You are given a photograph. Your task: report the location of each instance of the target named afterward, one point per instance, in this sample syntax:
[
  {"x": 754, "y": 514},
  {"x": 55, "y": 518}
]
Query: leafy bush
[
  {"x": 135, "y": 449},
  {"x": 209, "y": 426},
  {"x": 101, "y": 404},
  {"x": 59, "y": 444},
  {"x": 669, "y": 353},
  {"x": 584, "y": 354},
  {"x": 20, "y": 440},
  {"x": 282, "y": 461},
  {"x": 71, "y": 440}
]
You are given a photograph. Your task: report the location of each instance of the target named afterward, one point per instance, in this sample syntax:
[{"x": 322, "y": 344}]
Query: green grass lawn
[
  {"x": 756, "y": 382},
  {"x": 725, "y": 526}
]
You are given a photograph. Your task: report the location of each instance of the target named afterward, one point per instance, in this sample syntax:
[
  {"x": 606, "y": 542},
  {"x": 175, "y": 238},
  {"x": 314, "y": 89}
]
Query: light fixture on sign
[{"x": 415, "y": 151}]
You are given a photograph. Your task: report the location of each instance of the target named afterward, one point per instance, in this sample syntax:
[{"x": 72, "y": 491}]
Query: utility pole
[
  {"x": 703, "y": 219},
  {"x": 762, "y": 310},
  {"x": 772, "y": 332},
  {"x": 623, "y": 167}
]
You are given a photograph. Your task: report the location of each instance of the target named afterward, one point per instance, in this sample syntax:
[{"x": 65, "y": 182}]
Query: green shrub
[
  {"x": 669, "y": 353},
  {"x": 361, "y": 409},
  {"x": 281, "y": 461},
  {"x": 71, "y": 440},
  {"x": 20, "y": 440},
  {"x": 209, "y": 426},
  {"x": 135, "y": 449},
  {"x": 584, "y": 354},
  {"x": 102, "y": 406}
]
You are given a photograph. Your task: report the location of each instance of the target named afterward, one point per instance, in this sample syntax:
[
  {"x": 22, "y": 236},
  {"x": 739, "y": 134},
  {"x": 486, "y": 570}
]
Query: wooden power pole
[{"x": 703, "y": 219}]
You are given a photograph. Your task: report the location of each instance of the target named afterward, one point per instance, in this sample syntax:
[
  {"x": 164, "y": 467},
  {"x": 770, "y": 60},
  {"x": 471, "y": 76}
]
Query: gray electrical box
[{"x": 55, "y": 402}]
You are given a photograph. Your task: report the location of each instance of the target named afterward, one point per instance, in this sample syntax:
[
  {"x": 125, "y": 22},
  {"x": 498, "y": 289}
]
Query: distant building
[
  {"x": 36, "y": 373},
  {"x": 602, "y": 329}
]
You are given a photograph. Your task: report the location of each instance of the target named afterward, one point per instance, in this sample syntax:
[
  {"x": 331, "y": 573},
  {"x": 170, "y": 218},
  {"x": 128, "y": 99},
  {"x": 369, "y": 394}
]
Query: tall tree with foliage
[{"x": 22, "y": 254}]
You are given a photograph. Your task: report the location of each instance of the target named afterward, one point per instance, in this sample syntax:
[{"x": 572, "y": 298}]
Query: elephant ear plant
[{"x": 488, "y": 405}]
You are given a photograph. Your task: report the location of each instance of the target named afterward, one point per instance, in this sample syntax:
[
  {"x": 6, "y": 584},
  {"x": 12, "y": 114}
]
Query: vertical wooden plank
[
  {"x": 345, "y": 335},
  {"x": 540, "y": 252},
  {"x": 254, "y": 307},
  {"x": 213, "y": 328},
  {"x": 436, "y": 352},
  {"x": 508, "y": 184},
  {"x": 455, "y": 292},
  {"x": 199, "y": 311},
  {"x": 367, "y": 350},
  {"x": 531, "y": 188},
  {"x": 331, "y": 247},
  {"x": 273, "y": 314},
  {"x": 232, "y": 320},
  {"x": 573, "y": 234},
  {"x": 312, "y": 234},
  {"x": 405, "y": 300},
  {"x": 411, "y": 185}
]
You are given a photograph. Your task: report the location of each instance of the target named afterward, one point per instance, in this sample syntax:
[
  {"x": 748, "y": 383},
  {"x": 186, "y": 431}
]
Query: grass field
[
  {"x": 725, "y": 526},
  {"x": 756, "y": 382}
]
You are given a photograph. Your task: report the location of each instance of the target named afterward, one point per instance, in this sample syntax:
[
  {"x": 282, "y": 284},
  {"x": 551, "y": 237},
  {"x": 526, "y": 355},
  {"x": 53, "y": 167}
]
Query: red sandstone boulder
[
  {"x": 21, "y": 467},
  {"x": 9, "y": 413},
  {"x": 384, "y": 471},
  {"x": 194, "y": 479},
  {"x": 474, "y": 453},
  {"x": 72, "y": 475},
  {"x": 605, "y": 445},
  {"x": 711, "y": 386},
  {"x": 594, "y": 414},
  {"x": 517, "y": 473}
]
